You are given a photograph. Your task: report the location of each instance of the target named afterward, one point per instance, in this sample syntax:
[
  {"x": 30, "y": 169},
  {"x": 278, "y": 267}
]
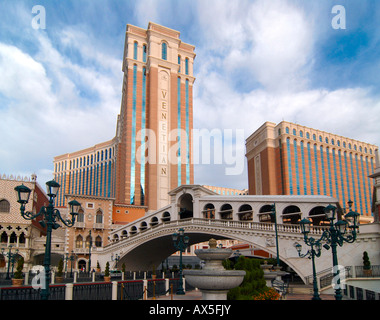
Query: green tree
[
  {"x": 60, "y": 268},
  {"x": 20, "y": 266},
  {"x": 253, "y": 283},
  {"x": 107, "y": 270}
]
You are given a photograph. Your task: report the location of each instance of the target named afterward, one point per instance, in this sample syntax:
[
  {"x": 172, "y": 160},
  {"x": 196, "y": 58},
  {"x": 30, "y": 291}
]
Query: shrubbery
[{"x": 253, "y": 283}]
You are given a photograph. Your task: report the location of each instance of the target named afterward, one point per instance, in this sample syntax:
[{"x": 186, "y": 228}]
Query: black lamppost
[
  {"x": 89, "y": 252},
  {"x": 337, "y": 234},
  {"x": 311, "y": 254},
  {"x": 72, "y": 259},
  {"x": 11, "y": 259},
  {"x": 181, "y": 242},
  {"x": 273, "y": 215},
  {"x": 50, "y": 217}
]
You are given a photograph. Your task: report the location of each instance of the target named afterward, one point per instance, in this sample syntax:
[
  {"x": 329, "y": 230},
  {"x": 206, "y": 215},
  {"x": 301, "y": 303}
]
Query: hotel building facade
[
  {"x": 291, "y": 159},
  {"x": 151, "y": 152}
]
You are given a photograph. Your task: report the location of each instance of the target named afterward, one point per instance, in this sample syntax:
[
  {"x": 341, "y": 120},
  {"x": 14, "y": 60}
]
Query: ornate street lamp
[
  {"x": 181, "y": 242},
  {"x": 338, "y": 233},
  {"x": 89, "y": 252},
  {"x": 72, "y": 259},
  {"x": 11, "y": 259},
  {"x": 50, "y": 217},
  {"x": 315, "y": 251}
]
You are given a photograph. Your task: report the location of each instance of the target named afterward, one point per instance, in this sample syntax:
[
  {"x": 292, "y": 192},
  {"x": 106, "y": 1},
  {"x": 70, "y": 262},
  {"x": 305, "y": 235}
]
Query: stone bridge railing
[{"x": 229, "y": 224}]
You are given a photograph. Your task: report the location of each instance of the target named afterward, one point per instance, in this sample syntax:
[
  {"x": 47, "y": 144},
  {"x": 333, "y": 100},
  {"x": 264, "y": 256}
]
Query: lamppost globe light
[
  {"x": 341, "y": 226},
  {"x": 352, "y": 218},
  {"x": 186, "y": 240},
  {"x": 52, "y": 188},
  {"x": 330, "y": 212},
  {"x": 74, "y": 207},
  {"x": 298, "y": 247},
  {"x": 175, "y": 236},
  {"x": 22, "y": 194},
  {"x": 305, "y": 226}
]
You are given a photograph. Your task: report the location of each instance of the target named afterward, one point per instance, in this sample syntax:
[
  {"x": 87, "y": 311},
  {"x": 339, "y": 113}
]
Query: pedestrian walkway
[
  {"x": 190, "y": 295},
  {"x": 197, "y": 295}
]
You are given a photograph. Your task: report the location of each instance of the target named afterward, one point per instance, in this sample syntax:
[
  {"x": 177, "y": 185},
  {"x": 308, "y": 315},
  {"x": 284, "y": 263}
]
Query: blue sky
[{"x": 257, "y": 61}]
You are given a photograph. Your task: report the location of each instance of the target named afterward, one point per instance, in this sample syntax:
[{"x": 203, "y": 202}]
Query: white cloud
[
  {"x": 270, "y": 41},
  {"x": 53, "y": 104}
]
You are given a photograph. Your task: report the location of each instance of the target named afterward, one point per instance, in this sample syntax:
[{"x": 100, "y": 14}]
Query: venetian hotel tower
[{"x": 152, "y": 150}]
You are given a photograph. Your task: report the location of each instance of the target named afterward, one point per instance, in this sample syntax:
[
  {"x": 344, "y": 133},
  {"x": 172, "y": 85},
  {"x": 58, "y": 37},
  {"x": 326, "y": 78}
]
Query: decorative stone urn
[{"x": 213, "y": 280}]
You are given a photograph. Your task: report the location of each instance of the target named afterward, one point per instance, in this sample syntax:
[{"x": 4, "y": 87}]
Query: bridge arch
[{"x": 147, "y": 250}]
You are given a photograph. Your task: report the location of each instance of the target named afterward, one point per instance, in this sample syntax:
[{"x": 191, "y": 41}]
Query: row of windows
[
  {"x": 331, "y": 141},
  {"x": 164, "y": 55},
  {"x": 79, "y": 242},
  {"x": 86, "y": 160},
  {"x": 96, "y": 181},
  {"x": 325, "y": 167}
]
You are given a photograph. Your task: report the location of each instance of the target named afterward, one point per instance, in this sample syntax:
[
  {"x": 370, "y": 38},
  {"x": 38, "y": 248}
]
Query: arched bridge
[{"x": 202, "y": 214}]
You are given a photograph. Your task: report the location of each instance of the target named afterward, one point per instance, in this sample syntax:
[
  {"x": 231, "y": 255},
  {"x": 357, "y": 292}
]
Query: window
[
  {"x": 79, "y": 242},
  {"x": 144, "y": 53},
  {"x": 187, "y": 65},
  {"x": 179, "y": 63},
  {"x": 98, "y": 241},
  {"x": 135, "y": 50},
  {"x": 5, "y": 206},
  {"x": 80, "y": 216},
  {"x": 99, "y": 216},
  {"x": 164, "y": 52},
  {"x": 88, "y": 240}
]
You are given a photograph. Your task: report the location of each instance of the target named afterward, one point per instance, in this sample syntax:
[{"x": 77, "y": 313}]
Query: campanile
[{"x": 154, "y": 150}]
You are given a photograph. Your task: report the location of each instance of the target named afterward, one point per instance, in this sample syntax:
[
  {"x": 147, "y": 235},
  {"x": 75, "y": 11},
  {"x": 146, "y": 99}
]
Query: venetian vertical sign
[{"x": 163, "y": 120}]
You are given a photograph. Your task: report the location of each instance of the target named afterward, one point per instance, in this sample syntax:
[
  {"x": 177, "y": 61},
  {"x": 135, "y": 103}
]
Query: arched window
[
  {"x": 99, "y": 216},
  {"x": 164, "y": 51},
  {"x": 80, "y": 217},
  {"x": 98, "y": 241},
  {"x": 13, "y": 238},
  {"x": 79, "y": 242},
  {"x": 187, "y": 65},
  {"x": 135, "y": 50},
  {"x": 88, "y": 240},
  {"x": 209, "y": 211},
  {"x": 5, "y": 206},
  {"x": 21, "y": 240},
  {"x": 4, "y": 237},
  {"x": 144, "y": 53}
]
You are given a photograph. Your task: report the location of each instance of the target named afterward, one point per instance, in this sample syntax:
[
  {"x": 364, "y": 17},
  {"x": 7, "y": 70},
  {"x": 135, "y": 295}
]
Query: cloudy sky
[{"x": 257, "y": 61}]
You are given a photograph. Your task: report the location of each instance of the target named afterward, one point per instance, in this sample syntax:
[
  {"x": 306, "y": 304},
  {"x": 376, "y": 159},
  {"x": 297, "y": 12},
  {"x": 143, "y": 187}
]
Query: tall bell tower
[{"x": 154, "y": 150}]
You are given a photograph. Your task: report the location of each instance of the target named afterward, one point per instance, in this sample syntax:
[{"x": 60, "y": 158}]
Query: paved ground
[{"x": 197, "y": 295}]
